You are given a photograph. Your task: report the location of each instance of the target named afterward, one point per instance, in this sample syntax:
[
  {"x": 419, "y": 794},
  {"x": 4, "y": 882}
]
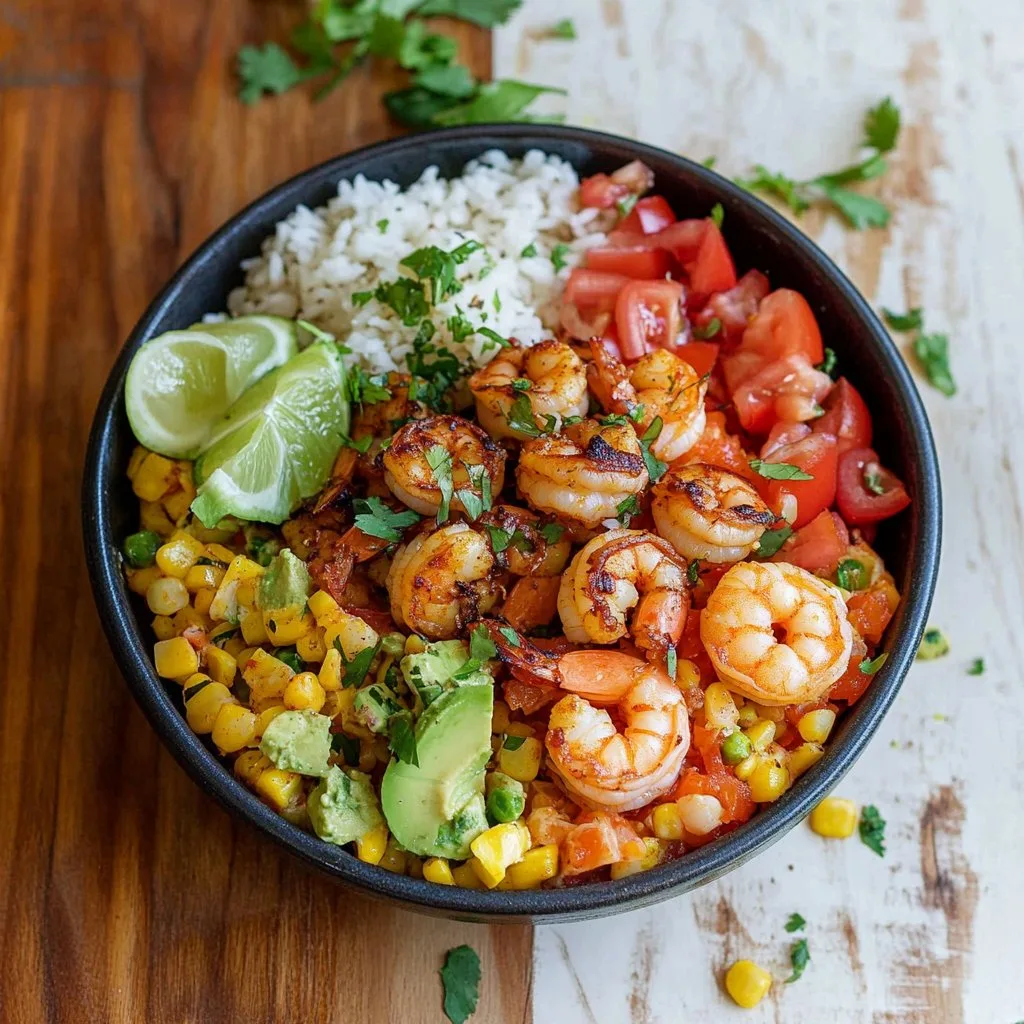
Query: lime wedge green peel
[
  {"x": 277, "y": 443},
  {"x": 182, "y": 383}
]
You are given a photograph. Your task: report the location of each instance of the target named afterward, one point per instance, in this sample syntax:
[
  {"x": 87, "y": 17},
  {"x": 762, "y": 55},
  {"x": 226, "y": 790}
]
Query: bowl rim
[{"x": 697, "y": 867}]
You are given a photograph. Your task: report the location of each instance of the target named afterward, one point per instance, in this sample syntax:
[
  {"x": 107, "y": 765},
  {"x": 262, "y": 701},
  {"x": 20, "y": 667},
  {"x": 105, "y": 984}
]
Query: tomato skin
[
  {"x": 781, "y": 434},
  {"x": 716, "y": 780},
  {"x": 734, "y": 308},
  {"x": 648, "y": 313},
  {"x": 870, "y": 611},
  {"x": 857, "y": 504},
  {"x": 846, "y": 416},
  {"x": 850, "y": 686},
  {"x": 784, "y": 325},
  {"x": 817, "y": 455},
  {"x": 640, "y": 264},
  {"x": 817, "y": 547},
  {"x": 717, "y": 447},
  {"x": 713, "y": 269},
  {"x": 770, "y": 393},
  {"x": 648, "y": 217},
  {"x": 601, "y": 193},
  {"x": 701, "y": 355},
  {"x": 594, "y": 290},
  {"x": 682, "y": 239}
]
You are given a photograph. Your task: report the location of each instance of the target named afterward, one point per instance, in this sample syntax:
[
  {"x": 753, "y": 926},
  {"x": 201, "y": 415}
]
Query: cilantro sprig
[
  {"x": 881, "y": 131},
  {"x": 376, "y": 519},
  {"x": 872, "y": 829},
  {"x": 778, "y": 470},
  {"x": 931, "y": 350}
]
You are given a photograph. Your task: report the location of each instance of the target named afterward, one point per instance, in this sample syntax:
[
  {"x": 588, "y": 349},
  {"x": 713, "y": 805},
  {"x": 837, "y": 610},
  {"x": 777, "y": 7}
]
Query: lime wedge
[
  {"x": 181, "y": 383},
  {"x": 277, "y": 443}
]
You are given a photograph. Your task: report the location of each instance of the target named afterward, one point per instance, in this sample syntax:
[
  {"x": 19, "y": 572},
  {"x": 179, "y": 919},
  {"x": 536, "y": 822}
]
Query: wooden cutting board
[{"x": 125, "y": 893}]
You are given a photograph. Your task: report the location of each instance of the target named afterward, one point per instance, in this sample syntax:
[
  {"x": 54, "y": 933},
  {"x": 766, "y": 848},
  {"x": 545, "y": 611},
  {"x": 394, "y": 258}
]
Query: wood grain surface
[
  {"x": 125, "y": 894},
  {"x": 930, "y": 934}
]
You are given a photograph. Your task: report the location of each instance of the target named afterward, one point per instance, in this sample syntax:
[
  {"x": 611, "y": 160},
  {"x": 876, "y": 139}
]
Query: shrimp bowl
[{"x": 513, "y": 522}]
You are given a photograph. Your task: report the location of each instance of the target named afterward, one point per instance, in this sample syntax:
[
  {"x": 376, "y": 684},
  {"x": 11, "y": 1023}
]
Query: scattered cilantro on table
[
  {"x": 799, "y": 957},
  {"x": 872, "y": 829},
  {"x": 931, "y": 350}
]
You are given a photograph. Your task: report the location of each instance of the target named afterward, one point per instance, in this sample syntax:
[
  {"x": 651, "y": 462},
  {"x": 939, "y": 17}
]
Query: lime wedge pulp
[
  {"x": 181, "y": 383},
  {"x": 277, "y": 443}
]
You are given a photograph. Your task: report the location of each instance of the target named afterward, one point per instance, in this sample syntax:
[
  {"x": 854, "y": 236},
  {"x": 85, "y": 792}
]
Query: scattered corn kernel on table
[{"x": 127, "y": 895}]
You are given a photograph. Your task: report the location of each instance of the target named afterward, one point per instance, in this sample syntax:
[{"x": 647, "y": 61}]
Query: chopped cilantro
[
  {"x": 713, "y": 326},
  {"x": 795, "y": 923},
  {"x": 376, "y": 519},
  {"x": 977, "y": 667},
  {"x": 461, "y": 979},
  {"x": 778, "y": 470},
  {"x": 552, "y": 532},
  {"x": 564, "y": 29},
  {"x": 693, "y": 572},
  {"x": 356, "y": 669},
  {"x": 872, "y": 829},
  {"x": 513, "y": 742},
  {"x": 772, "y": 540},
  {"x": 717, "y": 215},
  {"x": 510, "y": 635},
  {"x": 799, "y": 957},
  {"x": 912, "y": 320},
  {"x": 626, "y": 509},
  {"x": 440, "y": 462},
  {"x": 347, "y": 746},
  {"x": 558, "y": 254},
  {"x": 671, "y": 662},
  {"x": 402, "y": 737},
  {"x": 530, "y": 250},
  {"x": 656, "y": 469},
  {"x": 869, "y": 666},
  {"x": 382, "y": 225}
]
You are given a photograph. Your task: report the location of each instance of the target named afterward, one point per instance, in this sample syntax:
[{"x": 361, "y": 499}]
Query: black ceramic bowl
[{"x": 758, "y": 237}]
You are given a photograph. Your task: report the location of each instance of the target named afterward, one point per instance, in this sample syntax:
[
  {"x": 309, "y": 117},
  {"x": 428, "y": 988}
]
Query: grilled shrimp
[
  {"x": 598, "y": 765},
  {"x": 583, "y": 474},
  {"x": 378, "y": 419},
  {"x": 525, "y": 544},
  {"x": 473, "y": 460},
  {"x": 776, "y": 633},
  {"x": 706, "y": 512},
  {"x": 549, "y": 375},
  {"x": 658, "y": 384},
  {"x": 439, "y": 581},
  {"x": 607, "y": 578}
]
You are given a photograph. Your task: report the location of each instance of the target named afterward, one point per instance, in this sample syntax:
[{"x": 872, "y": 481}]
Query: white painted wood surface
[{"x": 933, "y": 932}]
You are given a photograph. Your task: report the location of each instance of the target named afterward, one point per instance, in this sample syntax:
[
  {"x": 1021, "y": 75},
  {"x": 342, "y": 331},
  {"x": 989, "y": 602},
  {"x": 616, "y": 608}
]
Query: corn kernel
[
  {"x": 497, "y": 848},
  {"x": 393, "y": 859},
  {"x": 202, "y": 708},
  {"x": 834, "y": 818},
  {"x": 163, "y": 627},
  {"x": 203, "y": 599},
  {"x": 233, "y": 728},
  {"x": 803, "y": 757},
  {"x": 140, "y": 580},
  {"x": 523, "y": 763},
  {"x": 304, "y": 693},
  {"x": 251, "y": 621},
  {"x": 438, "y": 871},
  {"x": 287, "y": 626},
  {"x": 310, "y": 648},
  {"x": 499, "y": 717},
  {"x": 761, "y": 734},
  {"x": 266, "y": 716},
  {"x": 330, "y": 671},
  {"x": 187, "y": 617},
  {"x": 203, "y": 577},
  {"x": 135, "y": 460},
  {"x": 465, "y": 876},
  {"x": 650, "y": 859},
  {"x": 747, "y": 983},
  {"x": 747, "y": 716},
  {"x": 687, "y": 674},
  {"x": 413, "y": 865},
  {"x": 537, "y": 865},
  {"x": 180, "y": 554},
  {"x": 322, "y": 605},
  {"x": 773, "y": 712},
  {"x": 241, "y": 570},
  {"x": 166, "y": 596},
  {"x": 279, "y": 788},
  {"x": 176, "y": 504},
  {"x": 768, "y": 782},
  {"x": 815, "y": 726},
  {"x": 266, "y": 675},
  {"x": 414, "y": 644},
  {"x": 519, "y": 729},
  {"x": 152, "y": 517},
  {"x": 667, "y": 822},
  {"x": 720, "y": 711},
  {"x": 219, "y": 553},
  {"x": 250, "y": 764},
  {"x": 153, "y": 477},
  {"x": 174, "y": 658},
  {"x": 370, "y": 847},
  {"x": 746, "y": 767},
  {"x": 221, "y": 666},
  {"x": 353, "y": 633}
]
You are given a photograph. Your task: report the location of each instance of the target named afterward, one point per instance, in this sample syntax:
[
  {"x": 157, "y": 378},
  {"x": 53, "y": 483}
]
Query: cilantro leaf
[
  {"x": 799, "y": 957},
  {"x": 787, "y": 190},
  {"x": 713, "y": 326},
  {"x": 656, "y": 469},
  {"x": 977, "y": 667},
  {"x": 912, "y": 320},
  {"x": 406, "y": 297},
  {"x": 717, "y": 215},
  {"x": 778, "y": 470},
  {"x": 932, "y": 350},
  {"x": 362, "y": 445},
  {"x": 440, "y": 462},
  {"x": 268, "y": 68},
  {"x": 693, "y": 572},
  {"x": 499, "y": 538},
  {"x": 520, "y": 417},
  {"x": 882, "y": 126},
  {"x": 376, "y": 519},
  {"x": 828, "y": 364},
  {"x": 671, "y": 662},
  {"x": 869, "y": 666},
  {"x": 342, "y": 23},
  {"x": 795, "y": 923},
  {"x": 530, "y": 250},
  {"x": 347, "y": 746},
  {"x": 510, "y": 635},
  {"x": 564, "y": 29},
  {"x": 626, "y": 509},
  {"x": 872, "y": 829},
  {"x": 558, "y": 254},
  {"x": 417, "y": 107},
  {"x": 481, "y": 646},
  {"x": 772, "y": 540},
  {"x": 861, "y": 211},
  {"x": 402, "y": 737},
  {"x": 363, "y": 389},
  {"x": 356, "y": 669},
  {"x": 502, "y": 100},
  {"x": 513, "y": 742},
  {"x": 552, "y": 532},
  {"x": 485, "y": 13}
]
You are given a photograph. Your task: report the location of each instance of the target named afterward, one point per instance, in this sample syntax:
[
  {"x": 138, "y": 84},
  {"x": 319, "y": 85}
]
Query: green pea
[
  {"x": 291, "y": 658},
  {"x": 140, "y": 549},
  {"x": 393, "y": 644},
  {"x": 851, "y": 574},
  {"x": 736, "y": 748},
  {"x": 504, "y": 805}
]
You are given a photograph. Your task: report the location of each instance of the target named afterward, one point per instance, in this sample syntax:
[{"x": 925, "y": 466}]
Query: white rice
[{"x": 316, "y": 260}]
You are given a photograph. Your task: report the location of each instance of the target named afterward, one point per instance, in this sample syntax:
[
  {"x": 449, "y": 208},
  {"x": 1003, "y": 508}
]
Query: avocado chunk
[
  {"x": 436, "y": 808},
  {"x": 374, "y": 705},
  {"x": 343, "y": 806},
  {"x": 285, "y": 584},
  {"x": 439, "y": 668},
  {"x": 298, "y": 741}
]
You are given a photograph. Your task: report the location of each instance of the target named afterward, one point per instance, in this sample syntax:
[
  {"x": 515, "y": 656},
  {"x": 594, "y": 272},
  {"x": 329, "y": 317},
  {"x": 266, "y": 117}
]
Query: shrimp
[
  {"x": 471, "y": 459},
  {"x": 607, "y": 578},
  {"x": 525, "y": 544},
  {"x": 442, "y": 580},
  {"x": 583, "y": 474},
  {"x": 379, "y": 419},
  {"x": 706, "y": 512},
  {"x": 599, "y": 766},
  {"x": 775, "y": 633},
  {"x": 658, "y": 385},
  {"x": 549, "y": 376}
]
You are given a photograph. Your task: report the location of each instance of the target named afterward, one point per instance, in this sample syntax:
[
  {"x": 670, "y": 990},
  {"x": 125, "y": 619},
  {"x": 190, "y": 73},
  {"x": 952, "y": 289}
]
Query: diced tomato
[
  {"x": 717, "y": 781},
  {"x": 701, "y": 355},
  {"x": 734, "y": 308},
  {"x": 640, "y": 264},
  {"x": 593, "y": 291},
  {"x": 868, "y": 492},
  {"x": 527, "y": 695},
  {"x": 691, "y": 648},
  {"x": 648, "y": 217},
  {"x": 788, "y": 388},
  {"x": 871, "y": 610},
  {"x": 818, "y": 546},
  {"x": 846, "y": 416},
  {"x": 784, "y": 325},
  {"x": 636, "y": 176},
  {"x": 817, "y": 456},
  {"x": 683, "y": 239},
  {"x": 717, "y": 447},
  {"x": 600, "y": 192},
  {"x": 647, "y": 313},
  {"x": 713, "y": 269},
  {"x": 850, "y": 686},
  {"x": 781, "y": 434},
  {"x": 794, "y": 712},
  {"x": 599, "y": 839}
]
